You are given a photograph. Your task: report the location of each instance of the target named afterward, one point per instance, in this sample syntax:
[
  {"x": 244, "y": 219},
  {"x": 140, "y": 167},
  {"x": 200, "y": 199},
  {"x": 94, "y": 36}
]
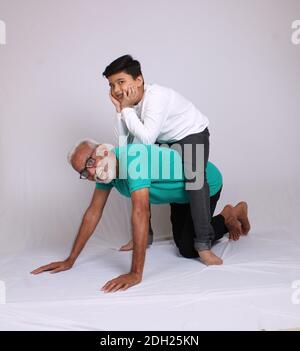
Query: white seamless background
[{"x": 233, "y": 59}]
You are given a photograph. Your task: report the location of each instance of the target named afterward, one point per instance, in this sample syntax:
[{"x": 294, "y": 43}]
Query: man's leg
[
  {"x": 183, "y": 231},
  {"x": 150, "y": 234},
  {"x": 183, "y": 228},
  {"x": 199, "y": 197}
]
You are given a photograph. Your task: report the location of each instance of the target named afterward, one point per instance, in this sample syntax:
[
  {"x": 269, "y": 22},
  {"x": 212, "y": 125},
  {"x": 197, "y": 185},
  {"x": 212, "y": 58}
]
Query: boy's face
[{"x": 120, "y": 82}]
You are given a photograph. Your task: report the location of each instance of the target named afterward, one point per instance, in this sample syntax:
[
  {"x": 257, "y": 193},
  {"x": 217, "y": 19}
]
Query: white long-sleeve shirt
[
  {"x": 120, "y": 130},
  {"x": 163, "y": 115}
]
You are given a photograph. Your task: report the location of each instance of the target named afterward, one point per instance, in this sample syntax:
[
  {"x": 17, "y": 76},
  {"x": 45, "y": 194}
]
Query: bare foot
[
  {"x": 127, "y": 247},
  {"x": 241, "y": 211},
  {"x": 232, "y": 223},
  {"x": 209, "y": 258}
]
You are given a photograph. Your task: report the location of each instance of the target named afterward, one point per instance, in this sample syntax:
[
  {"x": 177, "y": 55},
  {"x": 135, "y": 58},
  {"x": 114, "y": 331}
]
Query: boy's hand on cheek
[
  {"x": 129, "y": 97},
  {"x": 115, "y": 102}
]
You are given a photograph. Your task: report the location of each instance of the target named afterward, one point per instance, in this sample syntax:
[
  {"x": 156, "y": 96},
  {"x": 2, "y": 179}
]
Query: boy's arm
[
  {"x": 120, "y": 130},
  {"x": 154, "y": 114}
]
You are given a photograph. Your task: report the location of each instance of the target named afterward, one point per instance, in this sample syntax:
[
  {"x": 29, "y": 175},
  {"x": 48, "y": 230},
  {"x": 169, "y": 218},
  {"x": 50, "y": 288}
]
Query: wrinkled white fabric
[
  {"x": 251, "y": 291},
  {"x": 51, "y": 95}
]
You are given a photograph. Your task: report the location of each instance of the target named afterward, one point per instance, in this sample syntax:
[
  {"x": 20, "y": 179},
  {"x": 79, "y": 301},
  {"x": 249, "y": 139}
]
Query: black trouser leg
[
  {"x": 150, "y": 233},
  {"x": 198, "y": 198},
  {"x": 183, "y": 228}
]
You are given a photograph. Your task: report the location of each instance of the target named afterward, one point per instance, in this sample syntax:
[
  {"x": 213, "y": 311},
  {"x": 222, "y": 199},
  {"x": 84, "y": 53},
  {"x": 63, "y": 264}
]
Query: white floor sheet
[{"x": 252, "y": 290}]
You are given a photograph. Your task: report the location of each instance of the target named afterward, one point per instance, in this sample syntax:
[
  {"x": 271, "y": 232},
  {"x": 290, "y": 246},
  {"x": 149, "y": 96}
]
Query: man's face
[
  {"x": 98, "y": 164},
  {"x": 120, "y": 82}
]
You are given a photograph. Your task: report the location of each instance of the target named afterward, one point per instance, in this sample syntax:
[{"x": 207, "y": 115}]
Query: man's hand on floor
[
  {"x": 123, "y": 282},
  {"x": 55, "y": 267}
]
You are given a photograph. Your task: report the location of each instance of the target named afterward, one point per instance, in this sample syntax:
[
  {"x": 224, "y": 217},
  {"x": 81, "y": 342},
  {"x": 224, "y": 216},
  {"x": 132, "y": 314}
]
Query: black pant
[
  {"x": 198, "y": 199},
  {"x": 183, "y": 228}
]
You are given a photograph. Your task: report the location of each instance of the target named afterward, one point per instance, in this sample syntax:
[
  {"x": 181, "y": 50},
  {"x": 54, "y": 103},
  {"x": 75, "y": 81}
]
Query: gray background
[{"x": 234, "y": 59}]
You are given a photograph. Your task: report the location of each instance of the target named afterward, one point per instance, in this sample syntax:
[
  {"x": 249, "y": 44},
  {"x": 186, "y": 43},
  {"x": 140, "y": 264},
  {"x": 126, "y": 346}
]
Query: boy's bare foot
[
  {"x": 232, "y": 223},
  {"x": 209, "y": 258},
  {"x": 241, "y": 211}
]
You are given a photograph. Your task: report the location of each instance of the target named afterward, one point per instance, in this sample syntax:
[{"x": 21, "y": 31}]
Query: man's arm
[
  {"x": 89, "y": 222},
  {"x": 140, "y": 227}
]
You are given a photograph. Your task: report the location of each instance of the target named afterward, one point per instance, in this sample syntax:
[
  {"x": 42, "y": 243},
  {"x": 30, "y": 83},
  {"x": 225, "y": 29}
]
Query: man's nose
[{"x": 92, "y": 171}]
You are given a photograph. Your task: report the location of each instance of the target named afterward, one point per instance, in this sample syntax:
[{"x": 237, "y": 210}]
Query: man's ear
[{"x": 103, "y": 148}]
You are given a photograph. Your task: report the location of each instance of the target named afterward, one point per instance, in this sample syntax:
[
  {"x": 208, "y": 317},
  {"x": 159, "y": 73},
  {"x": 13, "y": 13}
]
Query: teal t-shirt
[{"x": 159, "y": 169}]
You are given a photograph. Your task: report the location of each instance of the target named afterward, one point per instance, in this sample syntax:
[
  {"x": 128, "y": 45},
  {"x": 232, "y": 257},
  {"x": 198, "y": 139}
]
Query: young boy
[{"x": 155, "y": 114}]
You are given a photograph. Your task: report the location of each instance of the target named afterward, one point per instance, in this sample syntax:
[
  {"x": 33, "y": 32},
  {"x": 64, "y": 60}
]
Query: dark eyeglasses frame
[{"x": 84, "y": 174}]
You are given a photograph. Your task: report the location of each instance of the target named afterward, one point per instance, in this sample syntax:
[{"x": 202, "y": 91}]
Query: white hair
[{"x": 90, "y": 142}]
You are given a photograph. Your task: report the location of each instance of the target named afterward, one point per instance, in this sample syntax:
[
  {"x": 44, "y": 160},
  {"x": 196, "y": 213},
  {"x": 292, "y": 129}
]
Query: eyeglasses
[{"x": 90, "y": 162}]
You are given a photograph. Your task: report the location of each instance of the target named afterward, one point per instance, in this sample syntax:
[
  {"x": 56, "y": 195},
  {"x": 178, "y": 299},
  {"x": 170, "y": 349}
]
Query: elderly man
[{"x": 147, "y": 174}]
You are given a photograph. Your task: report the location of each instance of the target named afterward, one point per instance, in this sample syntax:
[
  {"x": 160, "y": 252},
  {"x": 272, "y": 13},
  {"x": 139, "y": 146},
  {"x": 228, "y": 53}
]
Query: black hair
[{"x": 123, "y": 64}]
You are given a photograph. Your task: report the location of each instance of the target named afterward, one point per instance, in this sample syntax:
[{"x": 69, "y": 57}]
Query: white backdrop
[{"x": 234, "y": 59}]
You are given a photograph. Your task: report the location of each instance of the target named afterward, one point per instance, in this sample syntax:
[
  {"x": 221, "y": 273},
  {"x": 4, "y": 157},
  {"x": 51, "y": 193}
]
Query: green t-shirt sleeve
[
  {"x": 214, "y": 178},
  {"x": 104, "y": 186},
  {"x": 137, "y": 184},
  {"x": 137, "y": 167}
]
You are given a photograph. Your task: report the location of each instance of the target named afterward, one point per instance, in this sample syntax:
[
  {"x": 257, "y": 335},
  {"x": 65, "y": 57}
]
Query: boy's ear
[{"x": 140, "y": 80}]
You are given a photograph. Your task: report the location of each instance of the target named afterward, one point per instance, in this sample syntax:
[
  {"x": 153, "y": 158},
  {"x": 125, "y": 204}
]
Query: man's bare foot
[
  {"x": 241, "y": 211},
  {"x": 232, "y": 223},
  {"x": 127, "y": 247},
  {"x": 209, "y": 258}
]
